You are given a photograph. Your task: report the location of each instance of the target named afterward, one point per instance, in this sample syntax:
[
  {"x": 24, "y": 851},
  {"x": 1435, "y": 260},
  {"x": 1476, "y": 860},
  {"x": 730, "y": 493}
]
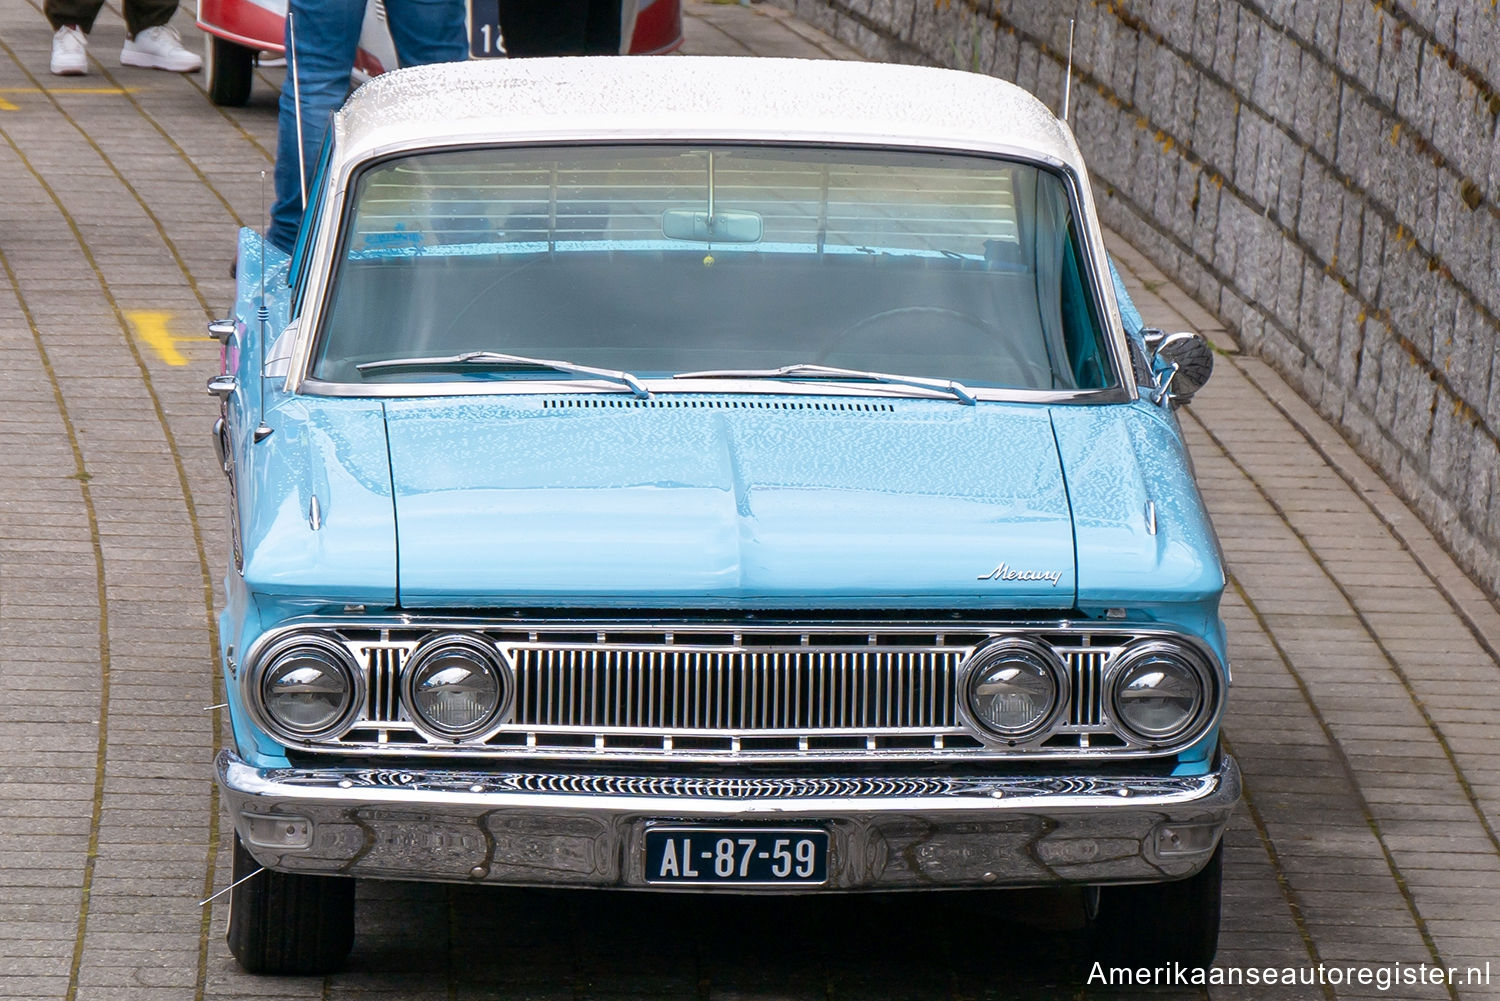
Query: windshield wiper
[
  {"x": 807, "y": 371},
  {"x": 494, "y": 359}
]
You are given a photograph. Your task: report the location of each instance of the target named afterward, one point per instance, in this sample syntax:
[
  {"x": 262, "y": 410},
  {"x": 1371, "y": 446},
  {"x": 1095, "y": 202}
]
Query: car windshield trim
[
  {"x": 811, "y": 371},
  {"x": 309, "y": 373},
  {"x": 544, "y": 386},
  {"x": 496, "y": 359}
]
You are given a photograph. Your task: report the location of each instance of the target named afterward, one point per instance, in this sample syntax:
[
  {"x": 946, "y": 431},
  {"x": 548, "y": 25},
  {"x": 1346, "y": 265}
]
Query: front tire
[
  {"x": 229, "y": 69},
  {"x": 289, "y": 923},
  {"x": 1158, "y": 924}
]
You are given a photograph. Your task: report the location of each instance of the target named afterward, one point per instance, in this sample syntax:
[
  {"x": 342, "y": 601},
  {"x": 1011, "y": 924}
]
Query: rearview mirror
[
  {"x": 725, "y": 226},
  {"x": 1189, "y": 360}
]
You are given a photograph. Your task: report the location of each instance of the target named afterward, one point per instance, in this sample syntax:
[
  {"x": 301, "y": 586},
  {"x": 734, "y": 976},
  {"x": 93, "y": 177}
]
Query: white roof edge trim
[
  {"x": 445, "y": 141},
  {"x": 603, "y": 96}
]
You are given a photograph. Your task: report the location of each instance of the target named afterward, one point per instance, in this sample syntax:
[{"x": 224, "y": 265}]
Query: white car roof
[{"x": 706, "y": 97}]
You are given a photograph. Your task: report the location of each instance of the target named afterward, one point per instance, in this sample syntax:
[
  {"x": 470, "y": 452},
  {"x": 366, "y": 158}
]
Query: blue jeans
[{"x": 425, "y": 31}]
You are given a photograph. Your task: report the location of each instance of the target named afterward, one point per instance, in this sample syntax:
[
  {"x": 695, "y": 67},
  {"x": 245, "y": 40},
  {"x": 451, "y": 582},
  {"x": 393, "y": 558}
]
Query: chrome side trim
[{"x": 221, "y": 447}]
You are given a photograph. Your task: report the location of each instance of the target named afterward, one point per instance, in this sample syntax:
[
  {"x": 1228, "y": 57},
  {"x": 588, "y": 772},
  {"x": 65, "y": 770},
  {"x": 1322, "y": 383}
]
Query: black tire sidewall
[{"x": 229, "y": 72}]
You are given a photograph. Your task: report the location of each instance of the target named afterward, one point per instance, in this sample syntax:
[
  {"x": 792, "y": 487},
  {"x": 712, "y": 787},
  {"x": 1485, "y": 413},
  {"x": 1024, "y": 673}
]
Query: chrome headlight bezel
[
  {"x": 325, "y": 649},
  {"x": 1182, "y": 657},
  {"x": 1037, "y": 656},
  {"x": 477, "y": 650}
]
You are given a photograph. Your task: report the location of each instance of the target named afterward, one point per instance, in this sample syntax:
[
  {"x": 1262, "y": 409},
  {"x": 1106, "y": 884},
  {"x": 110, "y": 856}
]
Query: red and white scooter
[{"x": 239, "y": 33}]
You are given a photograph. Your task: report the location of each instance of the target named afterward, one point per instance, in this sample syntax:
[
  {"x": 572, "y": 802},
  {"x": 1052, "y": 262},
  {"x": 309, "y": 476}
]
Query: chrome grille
[
  {"x": 1086, "y": 674},
  {"x": 383, "y": 692},
  {"x": 755, "y": 691},
  {"x": 735, "y": 689}
]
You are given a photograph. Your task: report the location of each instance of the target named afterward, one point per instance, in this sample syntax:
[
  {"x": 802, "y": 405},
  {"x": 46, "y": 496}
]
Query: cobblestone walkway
[{"x": 1366, "y": 673}]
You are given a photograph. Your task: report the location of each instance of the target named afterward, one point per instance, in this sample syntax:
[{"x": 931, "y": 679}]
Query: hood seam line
[
  {"x": 1062, "y": 470},
  {"x": 390, "y": 473}
]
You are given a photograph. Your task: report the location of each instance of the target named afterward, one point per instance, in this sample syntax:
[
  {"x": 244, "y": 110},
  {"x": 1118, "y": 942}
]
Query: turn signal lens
[
  {"x": 1185, "y": 839},
  {"x": 276, "y": 831}
]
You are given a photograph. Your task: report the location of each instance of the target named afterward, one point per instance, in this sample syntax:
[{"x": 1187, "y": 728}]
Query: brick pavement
[{"x": 1365, "y": 662}]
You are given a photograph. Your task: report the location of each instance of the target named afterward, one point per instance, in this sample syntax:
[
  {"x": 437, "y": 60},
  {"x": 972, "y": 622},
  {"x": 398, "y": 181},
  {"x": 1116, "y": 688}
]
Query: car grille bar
[
  {"x": 1086, "y": 674},
  {"x": 743, "y": 690}
]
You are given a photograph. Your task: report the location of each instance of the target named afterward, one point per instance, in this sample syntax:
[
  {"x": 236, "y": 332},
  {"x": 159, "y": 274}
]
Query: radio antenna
[
  {"x": 291, "y": 37},
  {"x": 262, "y": 313},
  {"x": 1068, "y": 74}
]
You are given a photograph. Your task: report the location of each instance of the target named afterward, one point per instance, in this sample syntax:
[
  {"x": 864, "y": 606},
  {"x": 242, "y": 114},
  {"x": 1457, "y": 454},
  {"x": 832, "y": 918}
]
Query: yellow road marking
[
  {"x": 12, "y": 106},
  {"x": 68, "y": 90},
  {"x": 151, "y": 326}
]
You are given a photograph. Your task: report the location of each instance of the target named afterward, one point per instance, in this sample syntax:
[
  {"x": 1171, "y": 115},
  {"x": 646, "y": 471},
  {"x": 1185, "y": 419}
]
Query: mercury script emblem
[{"x": 1004, "y": 572}]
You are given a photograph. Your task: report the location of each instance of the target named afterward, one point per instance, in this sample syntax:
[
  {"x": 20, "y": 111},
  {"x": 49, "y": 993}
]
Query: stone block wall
[{"x": 1324, "y": 175}]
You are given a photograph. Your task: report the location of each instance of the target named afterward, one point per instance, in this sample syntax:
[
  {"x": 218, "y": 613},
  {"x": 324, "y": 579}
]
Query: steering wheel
[{"x": 900, "y": 336}]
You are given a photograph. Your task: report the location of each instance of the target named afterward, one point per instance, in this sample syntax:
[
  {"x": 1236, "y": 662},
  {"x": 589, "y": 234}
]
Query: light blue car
[{"x": 736, "y": 476}]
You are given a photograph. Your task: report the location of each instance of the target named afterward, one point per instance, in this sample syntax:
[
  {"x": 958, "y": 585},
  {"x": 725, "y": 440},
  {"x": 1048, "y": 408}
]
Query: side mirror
[
  {"x": 222, "y": 386},
  {"x": 1188, "y": 361}
]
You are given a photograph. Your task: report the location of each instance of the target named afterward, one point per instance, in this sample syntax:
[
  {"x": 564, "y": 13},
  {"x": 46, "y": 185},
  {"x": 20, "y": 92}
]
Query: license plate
[
  {"x": 484, "y": 29},
  {"x": 736, "y": 856}
]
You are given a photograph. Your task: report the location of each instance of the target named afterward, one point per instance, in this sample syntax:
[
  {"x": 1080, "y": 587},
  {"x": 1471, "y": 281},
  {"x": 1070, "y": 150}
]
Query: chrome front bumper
[{"x": 550, "y": 829}]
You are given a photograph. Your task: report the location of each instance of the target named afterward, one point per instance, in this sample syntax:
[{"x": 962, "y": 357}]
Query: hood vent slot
[{"x": 701, "y": 403}]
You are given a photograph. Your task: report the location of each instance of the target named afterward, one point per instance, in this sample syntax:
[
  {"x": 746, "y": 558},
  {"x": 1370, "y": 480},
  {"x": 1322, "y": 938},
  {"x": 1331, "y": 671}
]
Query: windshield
[{"x": 661, "y": 261}]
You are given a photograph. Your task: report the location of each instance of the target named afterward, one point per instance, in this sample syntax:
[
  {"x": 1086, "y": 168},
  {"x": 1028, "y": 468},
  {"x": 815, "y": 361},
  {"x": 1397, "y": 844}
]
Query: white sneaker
[
  {"x": 70, "y": 51},
  {"x": 159, "y": 48}
]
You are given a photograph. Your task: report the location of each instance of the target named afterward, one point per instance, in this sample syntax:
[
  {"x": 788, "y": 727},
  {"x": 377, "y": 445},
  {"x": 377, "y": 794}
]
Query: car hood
[
  {"x": 728, "y": 502},
  {"x": 1143, "y": 537}
]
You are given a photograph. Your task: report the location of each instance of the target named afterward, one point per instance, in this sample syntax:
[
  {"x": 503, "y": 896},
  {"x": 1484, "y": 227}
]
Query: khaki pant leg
[
  {"x": 79, "y": 12},
  {"x": 143, "y": 14}
]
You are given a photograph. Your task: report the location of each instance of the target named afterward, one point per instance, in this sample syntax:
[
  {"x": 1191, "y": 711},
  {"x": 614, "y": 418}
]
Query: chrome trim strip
[
  {"x": 517, "y": 386},
  {"x": 221, "y": 447},
  {"x": 733, "y": 794},
  {"x": 671, "y": 628}
]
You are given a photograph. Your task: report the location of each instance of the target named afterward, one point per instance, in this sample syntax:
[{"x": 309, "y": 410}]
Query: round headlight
[
  {"x": 309, "y": 687},
  {"x": 455, "y": 686},
  {"x": 1159, "y": 690},
  {"x": 1015, "y": 687}
]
